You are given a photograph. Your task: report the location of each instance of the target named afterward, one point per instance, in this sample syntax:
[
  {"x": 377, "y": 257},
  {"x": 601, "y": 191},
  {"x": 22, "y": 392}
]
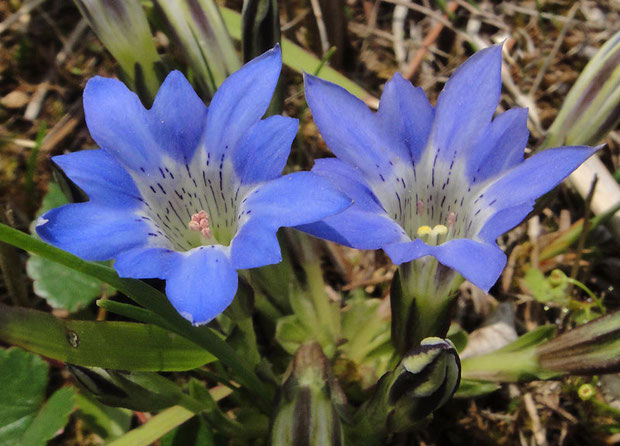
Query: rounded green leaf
[
  {"x": 53, "y": 416},
  {"x": 60, "y": 286},
  {"x": 23, "y": 379}
]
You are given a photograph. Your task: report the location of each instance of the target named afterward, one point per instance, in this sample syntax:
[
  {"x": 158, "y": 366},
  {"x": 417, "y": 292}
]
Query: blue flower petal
[
  {"x": 502, "y": 146},
  {"x": 118, "y": 123},
  {"x": 349, "y": 128},
  {"x": 255, "y": 245},
  {"x": 294, "y": 199},
  {"x": 504, "y": 221},
  {"x": 262, "y": 152},
  {"x": 480, "y": 263},
  {"x": 91, "y": 231},
  {"x": 348, "y": 180},
  {"x": 241, "y": 101},
  {"x": 535, "y": 176},
  {"x": 178, "y": 117},
  {"x": 102, "y": 178},
  {"x": 201, "y": 284},
  {"x": 358, "y": 229},
  {"x": 406, "y": 113},
  {"x": 145, "y": 262},
  {"x": 467, "y": 103},
  {"x": 365, "y": 224}
]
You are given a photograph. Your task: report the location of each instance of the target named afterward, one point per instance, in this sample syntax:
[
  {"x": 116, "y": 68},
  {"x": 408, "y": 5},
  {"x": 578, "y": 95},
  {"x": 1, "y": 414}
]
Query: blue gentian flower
[
  {"x": 187, "y": 193},
  {"x": 443, "y": 181}
]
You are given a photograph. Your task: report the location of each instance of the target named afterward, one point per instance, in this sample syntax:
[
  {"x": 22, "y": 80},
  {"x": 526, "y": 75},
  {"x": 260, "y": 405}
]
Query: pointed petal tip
[
  {"x": 311, "y": 80},
  {"x": 273, "y": 53},
  {"x": 398, "y": 80},
  {"x": 489, "y": 58},
  {"x": 174, "y": 79}
]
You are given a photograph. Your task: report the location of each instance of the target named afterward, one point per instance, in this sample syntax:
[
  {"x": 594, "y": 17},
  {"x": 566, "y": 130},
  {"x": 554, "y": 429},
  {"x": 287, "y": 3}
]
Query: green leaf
[
  {"x": 543, "y": 289},
  {"x": 23, "y": 379},
  {"x": 297, "y": 58},
  {"x": 155, "y": 428},
  {"x": 518, "y": 361},
  {"x": 458, "y": 336},
  {"x": 155, "y": 301},
  {"x": 60, "y": 286},
  {"x": 365, "y": 327},
  {"x": 195, "y": 431},
  {"x": 291, "y": 333},
  {"x": 53, "y": 416},
  {"x": 110, "y": 345},
  {"x": 199, "y": 31},
  {"x": 107, "y": 422},
  {"x": 470, "y": 388},
  {"x": 530, "y": 339}
]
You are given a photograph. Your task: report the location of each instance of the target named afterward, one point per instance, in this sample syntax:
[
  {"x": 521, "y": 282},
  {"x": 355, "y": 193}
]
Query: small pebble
[{"x": 15, "y": 99}]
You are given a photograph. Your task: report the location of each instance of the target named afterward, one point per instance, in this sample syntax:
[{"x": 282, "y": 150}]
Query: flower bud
[
  {"x": 124, "y": 30},
  {"x": 586, "y": 391},
  {"x": 423, "y": 381},
  {"x": 310, "y": 402}
]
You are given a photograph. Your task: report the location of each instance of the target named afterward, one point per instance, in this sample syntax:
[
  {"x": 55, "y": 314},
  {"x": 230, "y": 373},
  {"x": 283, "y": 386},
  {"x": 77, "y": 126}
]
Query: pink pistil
[
  {"x": 200, "y": 223},
  {"x": 419, "y": 207},
  {"x": 451, "y": 219}
]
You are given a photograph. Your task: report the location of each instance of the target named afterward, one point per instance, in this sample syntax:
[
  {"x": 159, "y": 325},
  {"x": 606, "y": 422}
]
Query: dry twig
[{"x": 416, "y": 61}]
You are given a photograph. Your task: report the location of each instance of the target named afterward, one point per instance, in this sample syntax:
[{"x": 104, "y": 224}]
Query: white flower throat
[
  {"x": 191, "y": 204},
  {"x": 432, "y": 200}
]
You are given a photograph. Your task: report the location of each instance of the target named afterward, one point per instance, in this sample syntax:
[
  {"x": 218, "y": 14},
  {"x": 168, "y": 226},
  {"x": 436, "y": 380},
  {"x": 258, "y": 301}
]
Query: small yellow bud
[{"x": 586, "y": 391}]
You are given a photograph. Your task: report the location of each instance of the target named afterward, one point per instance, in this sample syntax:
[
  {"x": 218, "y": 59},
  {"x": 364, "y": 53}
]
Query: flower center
[
  {"x": 431, "y": 200},
  {"x": 200, "y": 223},
  {"x": 191, "y": 203}
]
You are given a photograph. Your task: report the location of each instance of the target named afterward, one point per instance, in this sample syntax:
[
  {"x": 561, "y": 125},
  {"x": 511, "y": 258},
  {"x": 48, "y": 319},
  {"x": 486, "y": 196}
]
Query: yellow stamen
[
  {"x": 432, "y": 236},
  {"x": 439, "y": 230},
  {"x": 423, "y": 230}
]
